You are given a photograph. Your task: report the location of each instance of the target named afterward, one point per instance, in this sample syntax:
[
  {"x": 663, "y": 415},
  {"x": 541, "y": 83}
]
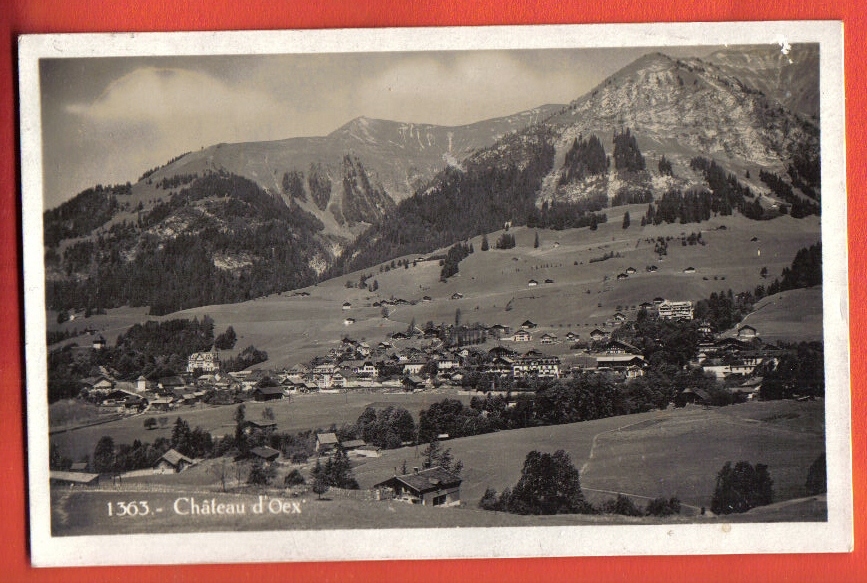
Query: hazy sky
[{"x": 107, "y": 120}]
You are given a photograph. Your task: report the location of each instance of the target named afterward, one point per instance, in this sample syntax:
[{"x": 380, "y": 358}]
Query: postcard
[{"x": 436, "y": 293}]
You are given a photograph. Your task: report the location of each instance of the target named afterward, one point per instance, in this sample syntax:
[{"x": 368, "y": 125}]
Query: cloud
[
  {"x": 151, "y": 94},
  {"x": 466, "y": 88}
]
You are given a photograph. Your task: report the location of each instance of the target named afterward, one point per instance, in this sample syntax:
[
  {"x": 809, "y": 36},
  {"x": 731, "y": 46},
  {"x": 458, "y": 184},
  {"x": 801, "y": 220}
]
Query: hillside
[{"x": 293, "y": 328}]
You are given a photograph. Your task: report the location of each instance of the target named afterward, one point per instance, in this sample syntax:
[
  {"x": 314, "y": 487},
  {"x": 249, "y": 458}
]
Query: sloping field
[
  {"x": 793, "y": 315},
  {"x": 667, "y": 453},
  {"x": 583, "y": 295}
]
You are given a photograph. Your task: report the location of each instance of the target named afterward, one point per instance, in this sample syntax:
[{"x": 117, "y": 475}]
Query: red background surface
[{"x": 44, "y": 16}]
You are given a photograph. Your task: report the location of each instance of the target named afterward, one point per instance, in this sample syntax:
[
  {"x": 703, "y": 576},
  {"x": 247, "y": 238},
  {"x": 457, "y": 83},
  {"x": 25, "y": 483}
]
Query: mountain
[
  {"x": 791, "y": 78},
  {"x": 350, "y": 177},
  {"x": 688, "y": 137}
]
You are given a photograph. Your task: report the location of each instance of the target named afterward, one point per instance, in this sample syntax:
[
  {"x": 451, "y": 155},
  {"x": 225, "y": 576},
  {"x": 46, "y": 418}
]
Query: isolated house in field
[
  {"x": 528, "y": 325},
  {"x": 532, "y": 283},
  {"x": 348, "y": 321},
  {"x": 347, "y": 305},
  {"x": 630, "y": 270},
  {"x": 99, "y": 343},
  {"x": 266, "y": 454},
  {"x": 73, "y": 479},
  {"x": 549, "y": 280},
  {"x": 457, "y": 296},
  {"x": 571, "y": 336},
  {"x": 325, "y": 442},
  {"x": 430, "y": 487},
  {"x": 689, "y": 270},
  {"x": 622, "y": 276},
  {"x": 172, "y": 462},
  {"x": 746, "y": 332}
]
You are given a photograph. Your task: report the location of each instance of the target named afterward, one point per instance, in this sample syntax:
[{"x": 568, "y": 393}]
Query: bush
[
  {"x": 621, "y": 505},
  {"x": 293, "y": 478},
  {"x": 662, "y": 507},
  {"x": 150, "y": 423},
  {"x": 741, "y": 488}
]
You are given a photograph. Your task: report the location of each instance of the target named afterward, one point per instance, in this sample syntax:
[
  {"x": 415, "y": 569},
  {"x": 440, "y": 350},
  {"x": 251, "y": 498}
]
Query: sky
[{"x": 107, "y": 120}]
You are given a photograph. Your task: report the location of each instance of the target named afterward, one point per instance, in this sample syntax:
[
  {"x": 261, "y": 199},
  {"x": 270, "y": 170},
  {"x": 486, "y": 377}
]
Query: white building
[
  {"x": 204, "y": 361},
  {"x": 669, "y": 310}
]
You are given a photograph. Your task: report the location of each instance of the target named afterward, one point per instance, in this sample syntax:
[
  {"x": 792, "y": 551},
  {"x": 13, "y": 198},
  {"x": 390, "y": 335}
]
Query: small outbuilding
[{"x": 172, "y": 462}]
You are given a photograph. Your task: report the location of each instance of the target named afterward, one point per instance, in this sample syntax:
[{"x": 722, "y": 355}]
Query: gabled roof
[
  {"x": 175, "y": 457},
  {"x": 427, "y": 480},
  {"x": 353, "y": 443},
  {"x": 327, "y": 438},
  {"x": 266, "y": 453},
  {"x": 269, "y": 390}
]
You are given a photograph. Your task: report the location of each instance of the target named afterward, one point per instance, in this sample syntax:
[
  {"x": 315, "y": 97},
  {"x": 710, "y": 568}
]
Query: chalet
[
  {"x": 347, "y": 305},
  {"x": 118, "y": 397},
  {"x": 658, "y": 300},
  {"x": 622, "y": 276},
  {"x": 163, "y": 404},
  {"x": 99, "y": 383},
  {"x": 522, "y": 336},
  {"x": 548, "y": 338},
  {"x": 169, "y": 383},
  {"x": 571, "y": 336},
  {"x": 99, "y": 343},
  {"x": 549, "y": 281},
  {"x": 204, "y": 361},
  {"x": 633, "y": 364},
  {"x": 338, "y": 380},
  {"x": 630, "y": 270},
  {"x": 746, "y": 332},
  {"x": 615, "y": 346},
  {"x": 619, "y": 317},
  {"x": 250, "y": 426},
  {"x": 500, "y": 351},
  {"x": 264, "y": 453},
  {"x": 691, "y": 395},
  {"x": 532, "y": 283},
  {"x": 426, "y": 299},
  {"x": 413, "y": 382},
  {"x": 348, "y": 321},
  {"x": 302, "y": 294},
  {"x": 353, "y": 444},
  {"x": 457, "y": 296},
  {"x": 500, "y": 365},
  {"x": 73, "y": 479},
  {"x": 431, "y": 487},
  {"x": 499, "y": 330},
  {"x": 528, "y": 325},
  {"x": 447, "y": 362},
  {"x": 689, "y": 270},
  {"x": 597, "y": 335},
  {"x": 399, "y": 336},
  {"x": 326, "y": 442},
  {"x": 705, "y": 329},
  {"x": 172, "y": 461},
  {"x": 268, "y": 393}
]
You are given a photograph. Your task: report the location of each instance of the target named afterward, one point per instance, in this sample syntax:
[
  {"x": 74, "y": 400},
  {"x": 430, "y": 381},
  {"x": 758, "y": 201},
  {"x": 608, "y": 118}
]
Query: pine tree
[
  {"x": 626, "y": 220},
  {"x": 536, "y": 241},
  {"x": 485, "y": 245}
]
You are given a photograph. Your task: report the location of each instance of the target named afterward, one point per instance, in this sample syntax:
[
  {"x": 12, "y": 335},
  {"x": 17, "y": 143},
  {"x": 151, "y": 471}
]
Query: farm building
[
  {"x": 430, "y": 487},
  {"x": 266, "y": 454},
  {"x": 172, "y": 461},
  {"x": 267, "y": 393},
  {"x": 72, "y": 479},
  {"x": 689, "y": 270},
  {"x": 532, "y": 283},
  {"x": 528, "y": 325},
  {"x": 347, "y": 305},
  {"x": 325, "y": 442}
]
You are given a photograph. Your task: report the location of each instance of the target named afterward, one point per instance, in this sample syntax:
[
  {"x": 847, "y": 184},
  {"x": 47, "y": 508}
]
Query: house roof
[
  {"x": 269, "y": 390},
  {"x": 427, "y": 480},
  {"x": 327, "y": 438},
  {"x": 175, "y": 457},
  {"x": 352, "y": 443},
  {"x": 77, "y": 477},
  {"x": 266, "y": 453}
]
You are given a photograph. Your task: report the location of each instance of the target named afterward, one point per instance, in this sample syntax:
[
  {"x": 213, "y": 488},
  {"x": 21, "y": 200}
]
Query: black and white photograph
[{"x": 419, "y": 293}]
